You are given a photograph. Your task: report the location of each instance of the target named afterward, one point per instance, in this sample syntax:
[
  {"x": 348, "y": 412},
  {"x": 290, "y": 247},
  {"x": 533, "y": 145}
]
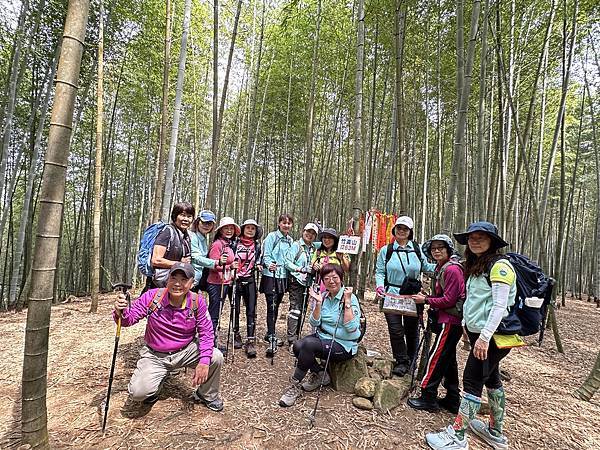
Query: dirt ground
[{"x": 541, "y": 412}]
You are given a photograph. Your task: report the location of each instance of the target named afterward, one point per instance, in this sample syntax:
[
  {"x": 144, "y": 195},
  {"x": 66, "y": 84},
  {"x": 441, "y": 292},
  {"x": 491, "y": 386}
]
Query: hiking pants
[
  {"x": 298, "y": 293},
  {"x": 153, "y": 367},
  {"x": 215, "y": 304},
  {"x": 480, "y": 373},
  {"x": 245, "y": 287},
  {"x": 311, "y": 347},
  {"x": 441, "y": 363},
  {"x": 404, "y": 337}
]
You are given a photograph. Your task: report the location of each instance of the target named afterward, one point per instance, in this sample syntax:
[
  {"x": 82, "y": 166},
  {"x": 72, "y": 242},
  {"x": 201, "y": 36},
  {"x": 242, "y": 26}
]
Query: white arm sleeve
[{"x": 500, "y": 293}]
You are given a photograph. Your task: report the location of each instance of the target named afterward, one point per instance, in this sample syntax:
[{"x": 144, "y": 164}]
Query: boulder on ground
[
  {"x": 365, "y": 387},
  {"x": 389, "y": 393},
  {"x": 345, "y": 374},
  {"x": 362, "y": 403},
  {"x": 383, "y": 367}
]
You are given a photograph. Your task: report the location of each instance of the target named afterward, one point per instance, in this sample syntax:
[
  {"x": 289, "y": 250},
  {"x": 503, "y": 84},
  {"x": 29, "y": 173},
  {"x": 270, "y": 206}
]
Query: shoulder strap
[
  {"x": 156, "y": 302},
  {"x": 389, "y": 251},
  {"x": 195, "y": 304},
  {"x": 440, "y": 276},
  {"x": 417, "y": 249},
  {"x": 491, "y": 264},
  {"x": 298, "y": 253}
]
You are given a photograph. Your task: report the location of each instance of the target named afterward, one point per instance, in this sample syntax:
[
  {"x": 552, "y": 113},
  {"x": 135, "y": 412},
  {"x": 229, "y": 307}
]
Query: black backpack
[{"x": 534, "y": 294}]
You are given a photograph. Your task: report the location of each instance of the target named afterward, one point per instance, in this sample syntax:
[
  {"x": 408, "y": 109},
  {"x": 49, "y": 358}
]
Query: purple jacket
[
  {"x": 170, "y": 329},
  {"x": 454, "y": 289}
]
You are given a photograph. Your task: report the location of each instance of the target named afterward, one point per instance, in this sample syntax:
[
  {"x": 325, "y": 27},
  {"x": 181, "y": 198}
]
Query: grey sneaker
[
  {"x": 313, "y": 381},
  {"x": 213, "y": 405},
  {"x": 446, "y": 440},
  {"x": 482, "y": 430},
  {"x": 291, "y": 394}
]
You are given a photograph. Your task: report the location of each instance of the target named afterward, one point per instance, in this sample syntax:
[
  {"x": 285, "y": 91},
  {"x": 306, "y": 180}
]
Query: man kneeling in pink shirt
[{"x": 179, "y": 333}]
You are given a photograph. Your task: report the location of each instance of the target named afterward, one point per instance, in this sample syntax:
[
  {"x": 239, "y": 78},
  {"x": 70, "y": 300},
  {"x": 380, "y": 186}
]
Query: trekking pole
[
  {"x": 302, "y": 318},
  {"x": 413, "y": 363},
  {"x": 231, "y": 319},
  {"x": 220, "y": 305},
  {"x": 274, "y": 337},
  {"x": 312, "y": 417},
  {"x": 125, "y": 289}
]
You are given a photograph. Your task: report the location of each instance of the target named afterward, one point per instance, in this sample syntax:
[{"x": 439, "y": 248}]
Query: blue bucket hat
[
  {"x": 426, "y": 247},
  {"x": 486, "y": 227}
]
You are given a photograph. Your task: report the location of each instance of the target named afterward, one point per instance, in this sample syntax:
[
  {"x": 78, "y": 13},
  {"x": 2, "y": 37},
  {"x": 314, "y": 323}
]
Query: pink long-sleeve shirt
[
  {"x": 221, "y": 274},
  {"x": 453, "y": 290},
  {"x": 169, "y": 328}
]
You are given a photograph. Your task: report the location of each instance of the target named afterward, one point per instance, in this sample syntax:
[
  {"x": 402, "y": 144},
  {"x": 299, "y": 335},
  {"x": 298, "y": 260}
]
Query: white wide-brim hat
[{"x": 228, "y": 221}]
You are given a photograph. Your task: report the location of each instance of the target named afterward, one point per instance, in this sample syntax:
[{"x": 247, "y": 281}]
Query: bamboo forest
[{"x": 424, "y": 147}]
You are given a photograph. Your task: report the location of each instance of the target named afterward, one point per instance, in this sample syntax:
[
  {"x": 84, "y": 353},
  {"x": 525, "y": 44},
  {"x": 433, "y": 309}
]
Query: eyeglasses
[
  {"x": 331, "y": 278},
  {"x": 437, "y": 249}
]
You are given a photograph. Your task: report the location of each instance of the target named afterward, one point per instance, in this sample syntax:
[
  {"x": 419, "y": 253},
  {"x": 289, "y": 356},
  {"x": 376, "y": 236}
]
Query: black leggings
[
  {"x": 480, "y": 373},
  {"x": 311, "y": 347},
  {"x": 245, "y": 287},
  {"x": 404, "y": 337}
]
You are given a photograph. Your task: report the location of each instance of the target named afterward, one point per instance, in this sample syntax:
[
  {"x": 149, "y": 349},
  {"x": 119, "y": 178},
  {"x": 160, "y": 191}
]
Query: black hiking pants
[
  {"x": 311, "y": 347},
  {"x": 245, "y": 288},
  {"x": 404, "y": 337},
  {"x": 480, "y": 373},
  {"x": 297, "y": 294},
  {"x": 441, "y": 363}
]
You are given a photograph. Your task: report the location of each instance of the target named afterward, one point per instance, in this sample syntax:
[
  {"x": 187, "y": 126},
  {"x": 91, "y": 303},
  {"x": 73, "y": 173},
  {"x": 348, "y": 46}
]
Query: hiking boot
[
  {"x": 214, "y": 405},
  {"x": 313, "y": 380},
  {"x": 237, "y": 341},
  {"x": 423, "y": 403},
  {"x": 400, "y": 369},
  {"x": 482, "y": 430},
  {"x": 249, "y": 348},
  {"x": 291, "y": 394},
  {"x": 267, "y": 338},
  {"x": 446, "y": 440},
  {"x": 150, "y": 400},
  {"x": 449, "y": 403}
]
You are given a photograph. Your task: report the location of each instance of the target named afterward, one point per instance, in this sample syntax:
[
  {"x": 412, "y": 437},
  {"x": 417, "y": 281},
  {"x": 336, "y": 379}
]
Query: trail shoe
[
  {"x": 446, "y": 440},
  {"x": 213, "y": 405},
  {"x": 150, "y": 400},
  {"x": 423, "y": 403},
  {"x": 449, "y": 403},
  {"x": 291, "y": 394},
  {"x": 482, "y": 430},
  {"x": 400, "y": 370},
  {"x": 271, "y": 349},
  {"x": 267, "y": 338},
  {"x": 237, "y": 341},
  {"x": 249, "y": 348},
  {"x": 313, "y": 380}
]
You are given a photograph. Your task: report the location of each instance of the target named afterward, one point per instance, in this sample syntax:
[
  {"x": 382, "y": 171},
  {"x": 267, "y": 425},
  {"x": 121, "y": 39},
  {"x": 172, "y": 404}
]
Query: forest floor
[{"x": 541, "y": 411}]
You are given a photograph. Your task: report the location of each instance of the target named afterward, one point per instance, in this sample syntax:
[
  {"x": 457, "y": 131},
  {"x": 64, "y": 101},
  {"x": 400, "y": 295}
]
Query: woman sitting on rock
[{"x": 336, "y": 316}]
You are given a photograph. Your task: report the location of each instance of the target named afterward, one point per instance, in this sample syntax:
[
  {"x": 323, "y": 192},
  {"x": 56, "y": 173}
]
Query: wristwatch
[{"x": 347, "y": 306}]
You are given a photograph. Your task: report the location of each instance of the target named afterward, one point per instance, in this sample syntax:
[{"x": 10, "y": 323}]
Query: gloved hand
[{"x": 380, "y": 291}]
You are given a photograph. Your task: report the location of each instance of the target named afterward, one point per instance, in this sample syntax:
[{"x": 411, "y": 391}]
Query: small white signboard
[
  {"x": 349, "y": 244},
  {"x": 399, "y": 304}
]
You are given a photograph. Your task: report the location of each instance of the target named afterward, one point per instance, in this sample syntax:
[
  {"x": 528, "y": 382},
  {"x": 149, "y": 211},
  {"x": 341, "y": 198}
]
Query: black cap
[{"x": 186, "y": 268}]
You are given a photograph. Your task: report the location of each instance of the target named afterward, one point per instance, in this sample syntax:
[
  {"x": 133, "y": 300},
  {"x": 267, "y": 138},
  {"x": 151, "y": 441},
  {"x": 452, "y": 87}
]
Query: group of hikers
[{"x": 469, "y": 296}]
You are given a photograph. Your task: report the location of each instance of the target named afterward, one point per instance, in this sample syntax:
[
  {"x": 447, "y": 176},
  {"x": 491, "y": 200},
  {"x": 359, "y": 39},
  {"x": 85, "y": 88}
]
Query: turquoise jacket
[
  {"x": 199, "y": 251},
  {"x": 347, "y": 334},
  {"x": 274, "y": 248},
  {"x": 395, "y": 273},
  {"x": 298, "y": 256}
]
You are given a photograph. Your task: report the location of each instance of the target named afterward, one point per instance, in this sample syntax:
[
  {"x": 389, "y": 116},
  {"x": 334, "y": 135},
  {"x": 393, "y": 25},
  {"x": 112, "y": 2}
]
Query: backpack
[
  {"x": 439, "y": 278},
  {"x": 156, "y": 302},
  {"x": 534, "y": 294},
  {"x": 144, "y": 258},
  {"x": 363, "y": 323},
  {"x": 390, "y": 251}
]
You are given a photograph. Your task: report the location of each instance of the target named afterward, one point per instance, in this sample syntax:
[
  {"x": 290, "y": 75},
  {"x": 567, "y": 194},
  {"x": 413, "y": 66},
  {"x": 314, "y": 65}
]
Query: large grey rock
[
  {"x": 389, "y": 393},
  {"x": 345, "y": 374},
  {"x": 365, "y": 387},
  {"x": 362, "y": 403},
  {"x": 383, "y": 367}
]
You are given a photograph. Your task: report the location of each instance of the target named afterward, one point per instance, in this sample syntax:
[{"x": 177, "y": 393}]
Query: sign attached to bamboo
[{"x": 349, "y": 244}]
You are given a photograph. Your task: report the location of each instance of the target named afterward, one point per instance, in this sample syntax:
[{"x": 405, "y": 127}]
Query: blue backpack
[
  {"x": 144, "y": 259},
  {"x": 534, "y": 294}
]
